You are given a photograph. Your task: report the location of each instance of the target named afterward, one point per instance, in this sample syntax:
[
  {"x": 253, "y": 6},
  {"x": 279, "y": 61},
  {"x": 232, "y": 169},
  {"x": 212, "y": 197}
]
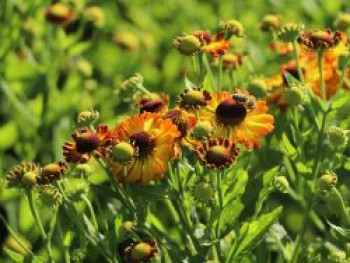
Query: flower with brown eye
[
  {"x": 153, "y": 138},
  {"x": 52, "y": 172},
  {"x": 86, "y": 144},
  {"x": 319, "y": 39},
  {"x": 23, "y": 175},
  {"x": 237, "y": 120},
  {"x": 217, "y": 153},
  {"x": 59, "y": 14},
  {"x": 194, "y": 98}
]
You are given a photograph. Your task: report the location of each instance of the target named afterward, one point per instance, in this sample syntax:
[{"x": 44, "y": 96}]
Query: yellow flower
[
  {"x": 238, "y": 117},
  {"x": 154, "y": 138}
]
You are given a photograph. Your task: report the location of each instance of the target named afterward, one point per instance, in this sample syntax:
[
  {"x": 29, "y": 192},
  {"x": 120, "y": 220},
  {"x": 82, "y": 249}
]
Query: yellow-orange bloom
[
  {"x": 154, "y": 138},
  {"x": 214, "y": 45},
  {"x": 238, "y": 117}
]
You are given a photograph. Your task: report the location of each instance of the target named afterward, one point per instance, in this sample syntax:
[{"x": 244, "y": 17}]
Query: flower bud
[
  {"x": 270, "y": 22},
  {"x": 295, "y": 96},
  {"x": 327, "y": 181},
  {"x": 257, "y": 87},
  {"x": 29, "y": 179},
  {"x": 126, "y": 229},
  {"x": 127, "y": 40},
  {"x": 337, "y": 137},
  {"x": 83, "y": 169},
  {"x": 203, "y": 192},
  {"x": 88, "y": 117},
  {"x": 289, "y": 32},
  {"x": 143, "y": 252},
  {"x": 133, "y": 81},
  {"x": 52, "y": 172},
  {"x": 342, "y": 21},
  {"x": 50, "y": 196},
  {"x": 95, "y": 15},
  {"x": 202, "y": 130},
  {"x": 123, "y": 153},
  {"x": 188, "y": 45},
  {"x": 234, "y": 27},
  {"x": 23, "y": 175},
  {"x": 281, "y": 184},
  {"x": 84, "y": 67}
]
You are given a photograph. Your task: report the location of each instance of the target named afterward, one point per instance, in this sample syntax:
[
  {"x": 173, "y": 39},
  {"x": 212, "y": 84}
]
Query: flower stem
[
  {"x": 220, "y": 74},
  {"x": 209, "y": 72},
  {"x": 296, "y": 55},
  {"x": 220, "y": 206},
  {"x": 320, "y": 69},
  {"x": 91, "y": 210}
]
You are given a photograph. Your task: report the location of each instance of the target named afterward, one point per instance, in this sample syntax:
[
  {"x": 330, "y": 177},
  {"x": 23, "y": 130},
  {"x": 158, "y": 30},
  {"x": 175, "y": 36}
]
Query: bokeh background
[{"x": 50, "y": 73}]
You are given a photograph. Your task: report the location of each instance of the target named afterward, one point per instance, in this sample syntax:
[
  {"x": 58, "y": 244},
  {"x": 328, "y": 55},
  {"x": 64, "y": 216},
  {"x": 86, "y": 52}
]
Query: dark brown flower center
[
  {"x": 86, "y": 142},
  {"x": 229, "y": 112},
  {"x": 218, "y": 156},
  {"x": 143, "y": 141},
  {"x": 152, "y": 106}
]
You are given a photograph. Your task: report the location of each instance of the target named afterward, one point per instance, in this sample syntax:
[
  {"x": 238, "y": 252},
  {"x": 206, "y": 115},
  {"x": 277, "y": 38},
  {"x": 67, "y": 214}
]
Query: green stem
[
  {"x": 209, "y": 72},
  {"x": 66, "y": 255},
  {"x": 220, "y": 74},
  {"x": 91, "y": 210},
  {"x": 296, "y": 55},
  {"x": 220, "y": 206},
  {"x": 343, "y": 206},
  {"x": 342, "y": 77},
  {"x": 320, "y": 69}
]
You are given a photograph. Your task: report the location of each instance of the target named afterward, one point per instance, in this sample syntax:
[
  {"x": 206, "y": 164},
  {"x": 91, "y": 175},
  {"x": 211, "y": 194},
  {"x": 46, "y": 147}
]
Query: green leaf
[
  {"x": 16, "y": 257},
  {"x": 9, "y": 135},
  {"x": 229, "y": 216},
  {"x": 238, "y": 186},
  {"x": 302, "y": 168},
  {"x": 207, "y": 84},
  {"x": 251, "y": 233},
  {"x": 189, "y": 84},
  {"x": 287, "y": 147}
]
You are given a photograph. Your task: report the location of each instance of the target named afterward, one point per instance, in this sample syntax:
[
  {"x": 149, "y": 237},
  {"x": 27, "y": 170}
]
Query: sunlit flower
[
  {"x": 215, "y": 45},
  {"x": 154, "y": 138},
  {"x": 239, "y": 117},
  {"x": 217, "y": 153},
  {"x": 86, "y": 144},
  {"x": 319, "y": 39}
]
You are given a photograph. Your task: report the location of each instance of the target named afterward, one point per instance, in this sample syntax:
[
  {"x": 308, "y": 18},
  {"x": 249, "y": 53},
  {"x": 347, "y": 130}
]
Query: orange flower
[
  {"x": 86, "y": 144},
  {"x": 154, "y": 138},
  {"x": 215, "y": 45},
  {"x": 281, "y": 48},
  {"x": 238, "y": 117},
  {"x": 59, "y": 14}
]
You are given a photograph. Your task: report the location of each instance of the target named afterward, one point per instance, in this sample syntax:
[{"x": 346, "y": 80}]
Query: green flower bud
[
  {"x": 131, "y": 82},
  {"x": 203, "y": 192},
  {"x": 327, "y": 181},
  {"x": 188, "y": 45},
  {"x": 270, "y": 22},
  {"x": 127, "y": 40},
  {"x": 257, "y": 87},
  {"x": 123, "y": 152},
  {"x": 295, "y": 96},
  {"x": 142, "y": 252},
  {"x": 342, "y": 21},
  {"x": 126, "y": 229},
  {"x": 95, "y": 15},
  {"x": 88, "y": 117},
  {"x": 83, "y": 170},
  {"x": 78, "y": 255},
  {"x": 50, "y": 196},
  {"x": 234, "y": 27},
  {"x": 29, "y": 179},
  {"x": 281, "y": 184},
  {"x": 202, "y": 130},
  {"x": 289, "y": 32},
  {"x": 337, "y": 137}
]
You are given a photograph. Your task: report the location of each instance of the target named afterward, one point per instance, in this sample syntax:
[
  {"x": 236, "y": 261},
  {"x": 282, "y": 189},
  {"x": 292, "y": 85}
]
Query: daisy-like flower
[
  {"x": 217, "y": 153},
  {"x": 319, "y": 39},
  {"x": 86, "y": 144},
  {"x": 238, "y": 117},
  {"x": 193, "y": 99},
  {"x": 154, "y": 139},
  {"x": 215, "y": 45}
]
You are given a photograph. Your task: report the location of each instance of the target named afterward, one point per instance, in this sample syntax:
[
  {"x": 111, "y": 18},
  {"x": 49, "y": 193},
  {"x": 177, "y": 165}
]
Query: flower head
[
  {"x": 238, "y": 117},
  {"x": 217, "y": 45},
  {"x": 233, "y": 27},
  {"x": 270, "y": 22},
  {"x": 23, "y": 175},
  {"x": 217, "y": 153},
  {"x": 319, "y": 39},
  {"x": 138, "y": 251},
  {"x": 154, "y": 138},
  {"x": 204, "y": 192},
  {"x": 194, "y": 98},
  {"x": 188, "y": 45},
  {"x": 52, "y": 172},
  {"x": 232, "y": 61},
  {"x": 289, "y": 32},
  {"x": 86, "y": 144}
]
